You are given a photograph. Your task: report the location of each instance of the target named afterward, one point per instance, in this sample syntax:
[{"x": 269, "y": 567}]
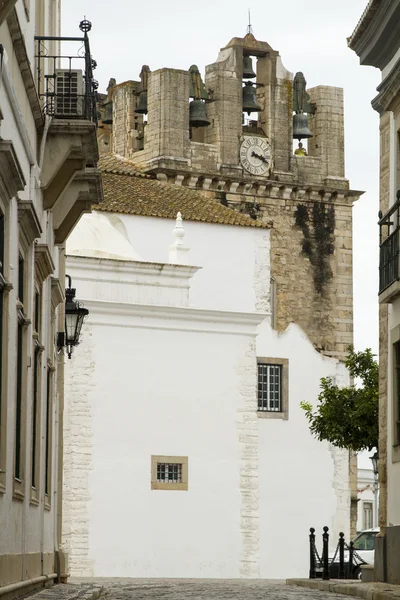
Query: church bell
[
  {"x": 108, "y": 113},
  {"x": 197, "y": 114},
  {"x": 248, "y": 72},
  {"x": 141, "y": 108},
  {"x": 300, "y": 127},
  {"x": 249, "y": 99}
]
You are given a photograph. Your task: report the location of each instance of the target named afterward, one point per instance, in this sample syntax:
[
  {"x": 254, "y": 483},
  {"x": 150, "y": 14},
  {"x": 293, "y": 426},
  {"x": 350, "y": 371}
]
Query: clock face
[{"x": 255, "y": 155}]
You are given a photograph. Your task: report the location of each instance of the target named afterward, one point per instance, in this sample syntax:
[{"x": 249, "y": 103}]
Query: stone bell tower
[{"x": 242, "y": 154}]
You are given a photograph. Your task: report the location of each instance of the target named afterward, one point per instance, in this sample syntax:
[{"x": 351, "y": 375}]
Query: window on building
[
  {"x": 169, "y": 473},
  {"x": 47, "y": 478},
  {"x": 18, "y": 409},
  {"x": 37, "y": 319},
  {"x": 368, "y": 519},
  {"x": 397, "y": 391},
  {"x": 272, "y": 387},
  {"x": 35, "y": 419},
  {"x": 21, "y": 264},
  {"x": 36, "y": 403},
  {"x": 2, "y": 342}
]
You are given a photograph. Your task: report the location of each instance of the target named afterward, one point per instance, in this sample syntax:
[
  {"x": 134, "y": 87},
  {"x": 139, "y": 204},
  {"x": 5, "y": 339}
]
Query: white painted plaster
[
  {"x": 231, "y": 254},
  {"x": 303, "y": 482},
  {"x": 96, "y": 233},
  {"x": 173, "y": 375},
  {"x": 393, "y": 468}
]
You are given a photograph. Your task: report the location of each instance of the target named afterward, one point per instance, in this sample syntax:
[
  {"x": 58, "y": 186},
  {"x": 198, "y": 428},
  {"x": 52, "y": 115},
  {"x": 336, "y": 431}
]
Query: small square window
[
  {"x": 169, "y": 473},
  {"x": 272, "y": 388}
]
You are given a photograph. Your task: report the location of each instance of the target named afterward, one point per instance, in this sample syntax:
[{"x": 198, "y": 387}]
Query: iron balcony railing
[
  {"x": 389, "y": 228},
  {"x": 64, "y": 75}
]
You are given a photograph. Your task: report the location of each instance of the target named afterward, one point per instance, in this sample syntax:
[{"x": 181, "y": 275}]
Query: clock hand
[{"x": 262, "y": 158}]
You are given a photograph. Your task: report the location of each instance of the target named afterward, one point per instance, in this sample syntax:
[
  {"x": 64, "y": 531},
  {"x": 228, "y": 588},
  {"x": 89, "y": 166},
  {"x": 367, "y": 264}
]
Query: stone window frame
[
  {"x": 37, "y": 354},
  {"x": 6, "y": 287},
  {"x": 48, "y": 438},
  {"x": 24, "y": 322},
  {"x": 394, "y": 339},
  {"x": 158, "y": 485},
  {"x": 284, "y": 413}
]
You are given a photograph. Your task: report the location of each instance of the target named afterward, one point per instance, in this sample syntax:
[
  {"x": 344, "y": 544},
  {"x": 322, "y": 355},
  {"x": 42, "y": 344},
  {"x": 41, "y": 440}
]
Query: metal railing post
[
  {"x": 313, "y": 573},
  {"x": 341, "y": 555},
  {"x": 325, "y": 553},
  {"x": 351, "y": 557}
]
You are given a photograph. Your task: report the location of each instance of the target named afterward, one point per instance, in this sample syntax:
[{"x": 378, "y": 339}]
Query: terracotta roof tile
[{"x": 127, "y": 190}]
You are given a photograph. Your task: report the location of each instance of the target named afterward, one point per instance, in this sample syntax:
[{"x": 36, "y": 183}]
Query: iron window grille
[
  {"x": 269, "y": 387},
  {"x": 64, "y": 76},
  {"x": 169, "y": 473}
]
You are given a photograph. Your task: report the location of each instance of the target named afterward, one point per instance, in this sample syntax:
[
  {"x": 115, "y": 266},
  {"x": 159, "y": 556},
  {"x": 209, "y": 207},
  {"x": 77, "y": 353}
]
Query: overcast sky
[{"x": 310, "y": 37}]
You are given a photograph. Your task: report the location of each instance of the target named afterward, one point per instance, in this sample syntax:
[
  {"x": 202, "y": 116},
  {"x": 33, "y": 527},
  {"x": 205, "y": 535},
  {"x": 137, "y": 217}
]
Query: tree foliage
[{"x": 348, "y": 417}]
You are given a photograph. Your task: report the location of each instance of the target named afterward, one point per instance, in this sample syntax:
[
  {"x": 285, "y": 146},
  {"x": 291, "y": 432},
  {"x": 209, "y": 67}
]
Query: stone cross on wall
[{"x": 178, "y": 251}]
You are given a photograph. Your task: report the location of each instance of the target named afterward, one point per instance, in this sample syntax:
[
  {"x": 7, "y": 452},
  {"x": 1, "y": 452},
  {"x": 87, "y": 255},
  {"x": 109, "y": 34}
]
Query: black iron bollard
[
  {"x": 341, "y": 555},
  {"x": 351, "y": 556},
  {"x": 313, "y": 572},
  {"x": 325, "y": 553}
]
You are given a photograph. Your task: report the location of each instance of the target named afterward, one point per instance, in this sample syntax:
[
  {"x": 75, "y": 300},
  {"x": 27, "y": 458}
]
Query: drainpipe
[{"x": 47, "y": 124}]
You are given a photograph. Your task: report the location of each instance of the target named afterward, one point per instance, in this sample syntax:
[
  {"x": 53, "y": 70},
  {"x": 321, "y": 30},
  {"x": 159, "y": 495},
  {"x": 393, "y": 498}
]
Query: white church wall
[
  {"x": 303, "y": 482},
  {"x": 144, "y": 392},
  {"x": 229, "y": 256},
  {"x": 178, "y": 381}
]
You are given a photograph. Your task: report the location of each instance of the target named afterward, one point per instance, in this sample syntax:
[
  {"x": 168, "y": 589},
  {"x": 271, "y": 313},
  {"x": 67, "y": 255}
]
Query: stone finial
[{"x": 178, "y": 251}]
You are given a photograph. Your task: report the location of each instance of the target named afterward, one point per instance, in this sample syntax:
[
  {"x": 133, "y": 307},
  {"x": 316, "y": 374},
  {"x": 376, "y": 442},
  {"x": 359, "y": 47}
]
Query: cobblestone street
[{"x": 157, "y": 589}]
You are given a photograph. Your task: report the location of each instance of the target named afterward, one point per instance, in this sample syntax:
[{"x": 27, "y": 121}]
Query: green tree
[{"x": 348, "y": 417}]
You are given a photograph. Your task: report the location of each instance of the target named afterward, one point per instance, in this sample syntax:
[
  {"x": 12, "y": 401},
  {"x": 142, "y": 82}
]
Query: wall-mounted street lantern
[{"x": 75, "y": 314}]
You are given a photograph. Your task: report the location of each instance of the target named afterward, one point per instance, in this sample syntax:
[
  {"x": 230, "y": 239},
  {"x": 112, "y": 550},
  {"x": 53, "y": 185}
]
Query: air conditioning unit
[{"x": 69, "y": 93}]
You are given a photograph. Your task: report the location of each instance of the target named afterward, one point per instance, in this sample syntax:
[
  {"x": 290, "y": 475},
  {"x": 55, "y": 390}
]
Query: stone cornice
[
  {"x": 28, "y": 221},
  {"x": 283, "y": 186},
  {"x": 5, "y": 7},
  {"x": 375, "y": 39},
  {"x": 389, "y": 90},
  {"x": 44, "y": 264},
  {"x": 142, "y": 316},
  {"x": 11, "y": 176},
  {"x": 25, "y": 67},
  {"x": 128, "y": 267}
]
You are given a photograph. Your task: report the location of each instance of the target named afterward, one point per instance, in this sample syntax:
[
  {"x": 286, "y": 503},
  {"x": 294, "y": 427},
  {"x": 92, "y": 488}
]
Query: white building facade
[
  {"x": 186, "y": 451},
  {"x": 41, "y": 153},
  {"x": 376, "y": 41}
]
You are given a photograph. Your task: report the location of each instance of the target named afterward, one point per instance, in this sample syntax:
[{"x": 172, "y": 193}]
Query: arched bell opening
[
  {"x": 251, "y": 106},
  {"x": 198, "y": 118},
  {"x": 141, "y": 110},
  {"x": 301, "y": 108}
]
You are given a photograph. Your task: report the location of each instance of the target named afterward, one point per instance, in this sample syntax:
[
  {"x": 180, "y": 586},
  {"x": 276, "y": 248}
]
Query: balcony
[
  {"x": 64, "y": 76},
  {"x": 389, "y": 237},
  {"x": 69, "y": 177}
]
